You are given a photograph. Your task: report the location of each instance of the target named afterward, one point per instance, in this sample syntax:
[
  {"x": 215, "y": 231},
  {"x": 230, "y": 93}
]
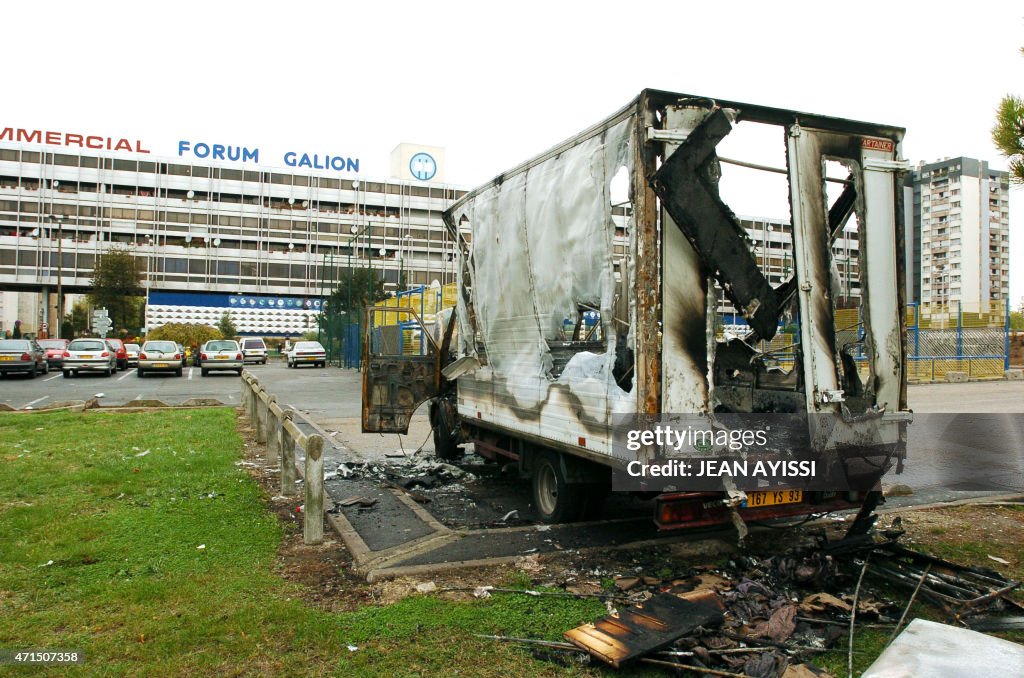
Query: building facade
[
  {"x": 252, "y": 232},
  {"x": 958, "y": 249}
]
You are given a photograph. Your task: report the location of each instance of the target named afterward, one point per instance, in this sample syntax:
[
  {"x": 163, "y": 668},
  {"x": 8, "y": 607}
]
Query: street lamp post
[{"x": 59, "y": 220}]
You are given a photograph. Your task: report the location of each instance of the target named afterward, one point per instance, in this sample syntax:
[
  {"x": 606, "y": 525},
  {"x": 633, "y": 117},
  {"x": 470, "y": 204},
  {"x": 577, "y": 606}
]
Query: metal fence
[{"x": 941, "y": 338}]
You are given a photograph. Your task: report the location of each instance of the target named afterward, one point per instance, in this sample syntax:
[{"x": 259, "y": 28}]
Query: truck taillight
[{"x": 671, "y": 513}]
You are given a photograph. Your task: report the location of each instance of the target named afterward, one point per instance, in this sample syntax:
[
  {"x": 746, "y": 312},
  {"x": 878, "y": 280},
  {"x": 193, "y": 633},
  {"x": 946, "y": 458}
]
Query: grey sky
[{"x": 495, "y": 83}]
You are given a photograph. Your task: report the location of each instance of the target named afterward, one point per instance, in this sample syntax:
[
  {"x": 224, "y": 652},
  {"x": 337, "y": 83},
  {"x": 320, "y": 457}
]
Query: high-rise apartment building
[{"x": 958, "y": 233}]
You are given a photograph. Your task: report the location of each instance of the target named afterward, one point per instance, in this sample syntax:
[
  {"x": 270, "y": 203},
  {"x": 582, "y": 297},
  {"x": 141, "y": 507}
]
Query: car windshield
[
  {"x": 86, "y": 345},
  {"x": 13, "y": 345},
  {"x": 222, "y": 346},
  {"x": 160, "y": 346},
  {"x": 132, "y": 347},
  {"x": 52, "y": 343},
  {"x": 253, "y": 343},
  {"x": 308, "y": 346}
]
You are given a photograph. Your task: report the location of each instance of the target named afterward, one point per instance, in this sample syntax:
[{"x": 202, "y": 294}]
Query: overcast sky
[{"x": 495, "y": 83}]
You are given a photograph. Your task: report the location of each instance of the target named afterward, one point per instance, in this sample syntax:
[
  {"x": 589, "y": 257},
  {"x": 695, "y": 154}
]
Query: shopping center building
[{"x": 216, "y": 230}]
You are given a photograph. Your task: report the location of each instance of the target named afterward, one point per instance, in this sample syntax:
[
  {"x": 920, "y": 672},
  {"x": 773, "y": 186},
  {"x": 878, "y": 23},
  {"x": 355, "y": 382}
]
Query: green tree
[
  {"x": 76, "y": 322},
  {"x": 357, "y": 288},
  {"x": 226, "y": 325},
  {"x": 186, "y": 334},
  {"x": 117, "y": 286},
  {"x": 1008, "y": 134},
  {"x": 358, "y": 285}
]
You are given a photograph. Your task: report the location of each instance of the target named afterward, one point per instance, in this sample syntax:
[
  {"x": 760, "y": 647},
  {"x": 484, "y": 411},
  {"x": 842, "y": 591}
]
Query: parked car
[
  {"x": 120, "y": 353},
  {"x": 22, "y": 355},
  {"x": 89, "y": 355},
  {"x": 307, "y": 353},
  {"x": 54, "y": 351},
  {"x": 133, "y": 351},
  {"x": 159, "y": 356},
  {"x": 222, "y": 354},
  {"x": 254, "y": 350},
  {"x": 197, "y": 356}
]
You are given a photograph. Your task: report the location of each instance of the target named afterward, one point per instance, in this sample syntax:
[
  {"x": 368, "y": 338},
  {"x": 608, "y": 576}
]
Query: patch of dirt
[{"x": 326, "y": 579}]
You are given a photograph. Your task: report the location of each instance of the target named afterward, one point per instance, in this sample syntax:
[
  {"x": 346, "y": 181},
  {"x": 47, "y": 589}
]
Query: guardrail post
[
  {"x": 243, "y": 399},
  {"x": 313, "y": 526},
  {"x": 267, "y": 427},
  {"x": 254, "y": 388},
  {"x": 286, "y": 444},
  {"x": 261, "y": 417},
  {"x": 273, "y": 439}
]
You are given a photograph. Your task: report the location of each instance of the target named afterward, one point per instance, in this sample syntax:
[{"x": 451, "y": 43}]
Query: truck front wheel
[{"x": 556, "y": 499}]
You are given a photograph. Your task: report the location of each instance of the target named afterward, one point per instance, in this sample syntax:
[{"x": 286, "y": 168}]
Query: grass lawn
[
  {"x": 138, "y": 539},
  {"x": 122, "y": 503}
]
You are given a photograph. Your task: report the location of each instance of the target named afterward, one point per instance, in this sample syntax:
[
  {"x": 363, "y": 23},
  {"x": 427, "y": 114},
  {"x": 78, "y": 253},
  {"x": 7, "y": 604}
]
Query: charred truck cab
[{"x": 578, "y": 307}]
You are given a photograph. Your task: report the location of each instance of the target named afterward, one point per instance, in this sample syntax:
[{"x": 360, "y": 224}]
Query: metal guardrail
[{"x": 275, "y": 427}]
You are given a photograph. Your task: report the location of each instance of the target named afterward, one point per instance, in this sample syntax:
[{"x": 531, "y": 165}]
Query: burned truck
[{"x": 608, "y": 279}]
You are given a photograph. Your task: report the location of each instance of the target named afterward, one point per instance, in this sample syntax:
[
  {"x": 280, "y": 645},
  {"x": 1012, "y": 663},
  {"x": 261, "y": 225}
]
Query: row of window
[{"x": 225, "y": 174}]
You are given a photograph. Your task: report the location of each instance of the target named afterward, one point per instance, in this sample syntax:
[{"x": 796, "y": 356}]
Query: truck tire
[
  {"x": 445, "y": 441},
  {"x": 556, "y": 500}
]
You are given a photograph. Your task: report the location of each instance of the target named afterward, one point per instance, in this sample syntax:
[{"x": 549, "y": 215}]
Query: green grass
[{"x": 129, "y": 586}]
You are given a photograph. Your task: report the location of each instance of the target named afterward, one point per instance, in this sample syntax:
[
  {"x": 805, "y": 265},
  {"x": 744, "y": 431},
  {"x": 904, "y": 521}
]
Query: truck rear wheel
[{"x": 556, "y": 499}]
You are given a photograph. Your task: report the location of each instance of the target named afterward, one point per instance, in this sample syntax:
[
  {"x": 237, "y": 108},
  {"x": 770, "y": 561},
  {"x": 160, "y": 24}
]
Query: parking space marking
[
  {"x": 190, "y": 372},
  {"x": 37, "y": 400},
  {"x": 125, "y": 374},
  {"x": 53, "y": 377}
]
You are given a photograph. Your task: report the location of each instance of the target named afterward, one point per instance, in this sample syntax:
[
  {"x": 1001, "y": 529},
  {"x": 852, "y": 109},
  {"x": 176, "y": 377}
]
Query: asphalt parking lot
[{"x": 313, "y": 388}]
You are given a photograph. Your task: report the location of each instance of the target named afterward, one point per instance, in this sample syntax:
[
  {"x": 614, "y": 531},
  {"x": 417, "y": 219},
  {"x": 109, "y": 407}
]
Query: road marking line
[
  {"x": 53, "y": 377},
  {"x": 190, "y": 372},
  {"x": 125, "y": 375},
  {"x": 37, "y": 400}
]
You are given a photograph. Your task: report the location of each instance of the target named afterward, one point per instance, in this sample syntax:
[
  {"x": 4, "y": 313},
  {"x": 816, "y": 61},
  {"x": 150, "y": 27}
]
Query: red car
[
  {"x": 117, "y": 346},
  {"x": 54, "y": 351}
]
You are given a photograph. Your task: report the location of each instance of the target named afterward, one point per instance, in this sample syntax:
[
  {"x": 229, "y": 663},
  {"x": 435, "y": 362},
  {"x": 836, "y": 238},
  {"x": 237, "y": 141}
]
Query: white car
[
  {"x": 306, "y": 353},
  {"x": 221, "y": 354},
  {"x": 254, "y": 350}
]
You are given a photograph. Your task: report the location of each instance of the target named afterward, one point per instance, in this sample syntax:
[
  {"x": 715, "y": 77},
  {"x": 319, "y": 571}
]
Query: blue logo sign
[
  {"x": 423, "y": 166},
  {"x": 234, "y": 301}
]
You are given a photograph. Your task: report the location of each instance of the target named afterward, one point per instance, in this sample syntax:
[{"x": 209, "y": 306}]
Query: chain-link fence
[{"x": 973, "y": 339}]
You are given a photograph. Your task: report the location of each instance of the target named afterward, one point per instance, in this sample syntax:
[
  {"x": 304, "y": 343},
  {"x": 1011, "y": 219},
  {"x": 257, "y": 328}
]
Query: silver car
[
  {"x": 222, "y": 354},
  {"x": 307, "y": 353},
  {"x": 22, "y": 355},
  {"x": 133, "y": 351},
  {"x": 159, "y": 356},
  {"x": 89, "y": 355}
]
